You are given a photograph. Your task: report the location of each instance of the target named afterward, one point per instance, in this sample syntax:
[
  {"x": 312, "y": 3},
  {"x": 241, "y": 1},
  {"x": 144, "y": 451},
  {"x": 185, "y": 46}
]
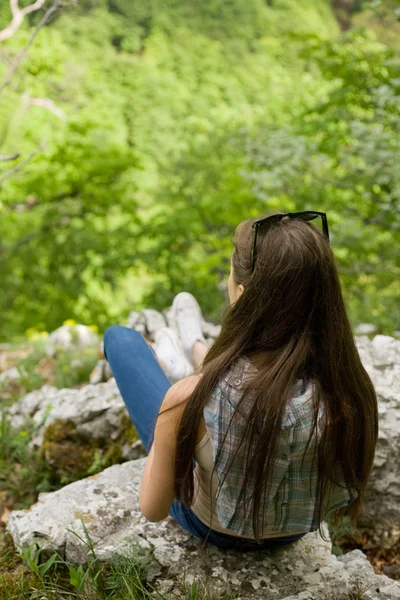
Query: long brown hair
[{"x": 292, "y": 312}]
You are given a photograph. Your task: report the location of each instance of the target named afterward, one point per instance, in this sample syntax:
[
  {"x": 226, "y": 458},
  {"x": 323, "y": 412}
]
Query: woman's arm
[{"x": 157, "y": 487}]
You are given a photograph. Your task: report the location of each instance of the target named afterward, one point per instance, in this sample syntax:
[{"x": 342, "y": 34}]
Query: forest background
[{"x": 139, "y": 134}]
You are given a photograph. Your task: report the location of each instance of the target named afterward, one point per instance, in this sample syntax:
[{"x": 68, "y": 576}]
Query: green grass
[
  {"x": 23, "y": 472},
  {"x": 30, "y": 573},
  {"x": 337, "y": 532},
  {"x": 65, "y": 456},
  {"x": 356, "y": 592},
  {"x": 69, "y": 369},
  {"x": 30, "y": 379},
  {"x": 73, "y": 367}
]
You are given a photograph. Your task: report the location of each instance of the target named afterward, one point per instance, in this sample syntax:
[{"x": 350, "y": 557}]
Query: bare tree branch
[
  {"x": 8, "y": 157},
  {"x": 21, "y": 164},
  {"x": 33, "y": 202},
  {"x": 19, "y": 58},
  {"x": 47, "y": 104},
  {"x": 64, "y": 221},
  {"x": 18, "y": 15}
]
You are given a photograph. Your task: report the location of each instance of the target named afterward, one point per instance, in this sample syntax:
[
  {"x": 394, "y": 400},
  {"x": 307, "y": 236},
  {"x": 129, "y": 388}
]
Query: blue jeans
[{"x": 143, "y": 385}]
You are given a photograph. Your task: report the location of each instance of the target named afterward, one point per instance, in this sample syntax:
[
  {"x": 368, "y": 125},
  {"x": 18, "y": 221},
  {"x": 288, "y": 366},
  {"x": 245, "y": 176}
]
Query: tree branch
[
  {"x": 18, "y": 15},
  {"x": 19, "y": 58},
  {"x": 64, "y": 221},
  {"x": 47, "y": 104},
  {"x": 35, "y": 202},
  {"x": 27, "y": 238},
  {"x": 8, "y": 157},
  {"x": 21, "y": 164}
]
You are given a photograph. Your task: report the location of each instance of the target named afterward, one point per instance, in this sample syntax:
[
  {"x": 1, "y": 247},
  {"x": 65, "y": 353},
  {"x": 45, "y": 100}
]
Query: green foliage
[
  {"x": 31, "y": 556},
  {"x": 65, "y": 456},
  {"x": 125, "y": 576},
  {"x": 73, "y": 367},
  {"x": 72, "y": 455},
  {"x": 180, "y": 120},
  {"x": 29, "y": 377},
  {"x": 337, "y": 532},
  {"x": 383, "y": 17},
  {"x": 23, "y": 472},
  {"x": 70, "y": 368},
  {"x": 338, "y": 155}
]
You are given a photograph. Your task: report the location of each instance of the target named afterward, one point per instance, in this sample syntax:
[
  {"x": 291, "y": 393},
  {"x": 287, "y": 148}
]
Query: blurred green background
[{"x": 148, "y": 130}]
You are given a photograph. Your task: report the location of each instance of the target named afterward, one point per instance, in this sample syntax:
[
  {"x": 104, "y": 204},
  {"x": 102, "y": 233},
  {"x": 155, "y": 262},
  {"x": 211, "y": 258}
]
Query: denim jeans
[{"x": 143, "y": 385}]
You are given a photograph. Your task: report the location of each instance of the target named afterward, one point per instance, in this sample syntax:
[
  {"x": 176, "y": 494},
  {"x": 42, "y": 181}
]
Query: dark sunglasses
[{"x": 304, "y": 215}]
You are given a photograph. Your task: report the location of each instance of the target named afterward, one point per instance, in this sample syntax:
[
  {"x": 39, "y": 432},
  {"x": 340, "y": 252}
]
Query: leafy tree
[
  {"x": 340, "y": 155},
  {"x": 164, "y": 126}
]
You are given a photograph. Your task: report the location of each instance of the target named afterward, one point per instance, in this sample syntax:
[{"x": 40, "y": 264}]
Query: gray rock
[
  {"x": 154, "y": 321},
  {"x": 365, "y": 329},
  {"x": 133, "y": 451},
  {"x": 101, "y": 373},
  {"x": 382, "y": 352},
  {"x": 137, "y": 321},
  {"x": 10, "y": 375},
  {"x": 381, "y": 358},
  {"x": 98, "y": 411},
  {"x": 108, "y": 506},
  {"x": 210, "y": 330},
  {"x": 383, "y": 492},
  {"x": 69, "y": 337},
  {"x": 150, "y": 321}
]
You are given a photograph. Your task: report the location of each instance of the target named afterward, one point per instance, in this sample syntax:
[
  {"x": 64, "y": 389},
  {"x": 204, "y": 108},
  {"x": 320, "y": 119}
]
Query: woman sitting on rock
[{"x": 277, "y": 426}]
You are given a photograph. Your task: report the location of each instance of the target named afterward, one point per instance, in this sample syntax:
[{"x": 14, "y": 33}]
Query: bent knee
[{"x": 118, "y": 336}]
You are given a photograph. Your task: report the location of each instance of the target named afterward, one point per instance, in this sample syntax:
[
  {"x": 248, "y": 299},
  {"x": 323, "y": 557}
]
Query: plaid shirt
[{"x": 292, "y": 495}]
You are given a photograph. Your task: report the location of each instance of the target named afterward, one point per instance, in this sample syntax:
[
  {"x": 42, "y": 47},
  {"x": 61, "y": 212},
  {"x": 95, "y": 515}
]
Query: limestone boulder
[
  {"x": 12, "y": 374},
  {"x": 98, "y": 412},
  {"x": 365, "y": 329},
  {"x": 381, "y": 358},
  {"x": 70, "y": 337},
  {"x": 106, "y": 505},
  {"x": 147, "y": 323},
  {"x": 101, "y": 373},
  {"x": 94, "y": 416},
  {"x": 137, "y": 321}
]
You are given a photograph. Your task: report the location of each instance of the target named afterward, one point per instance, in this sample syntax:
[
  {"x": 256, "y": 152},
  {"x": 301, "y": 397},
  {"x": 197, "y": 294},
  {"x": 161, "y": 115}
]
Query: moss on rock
[
  {"x": 129, "y": 434},
  {"x": 68, "y": 452},
  {"x": 8, "y": 558},
  {"x": 113, "y": 455},
  {"x": 15, "y": 578},
  {"x": 72, "y": 455}
]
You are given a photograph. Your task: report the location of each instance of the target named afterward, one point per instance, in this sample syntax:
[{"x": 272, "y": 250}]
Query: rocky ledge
[
  {"x": 106, "y": 506},
  {"x": 74, "y": 424}
]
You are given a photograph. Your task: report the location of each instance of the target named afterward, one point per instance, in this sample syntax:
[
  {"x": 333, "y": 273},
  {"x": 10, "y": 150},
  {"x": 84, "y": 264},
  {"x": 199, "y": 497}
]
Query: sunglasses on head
[{"x": 304, "y": 215}]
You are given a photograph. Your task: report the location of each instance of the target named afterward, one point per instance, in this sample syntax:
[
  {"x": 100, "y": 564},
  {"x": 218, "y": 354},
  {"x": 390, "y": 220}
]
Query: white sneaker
[
  {"x": 187, "y": 315},
  {"x": 169, "y": 349}
]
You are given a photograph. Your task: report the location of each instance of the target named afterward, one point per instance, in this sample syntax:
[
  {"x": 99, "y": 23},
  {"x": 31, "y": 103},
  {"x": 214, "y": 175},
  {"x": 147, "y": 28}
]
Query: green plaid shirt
[{"x": 292, "y": 496}]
